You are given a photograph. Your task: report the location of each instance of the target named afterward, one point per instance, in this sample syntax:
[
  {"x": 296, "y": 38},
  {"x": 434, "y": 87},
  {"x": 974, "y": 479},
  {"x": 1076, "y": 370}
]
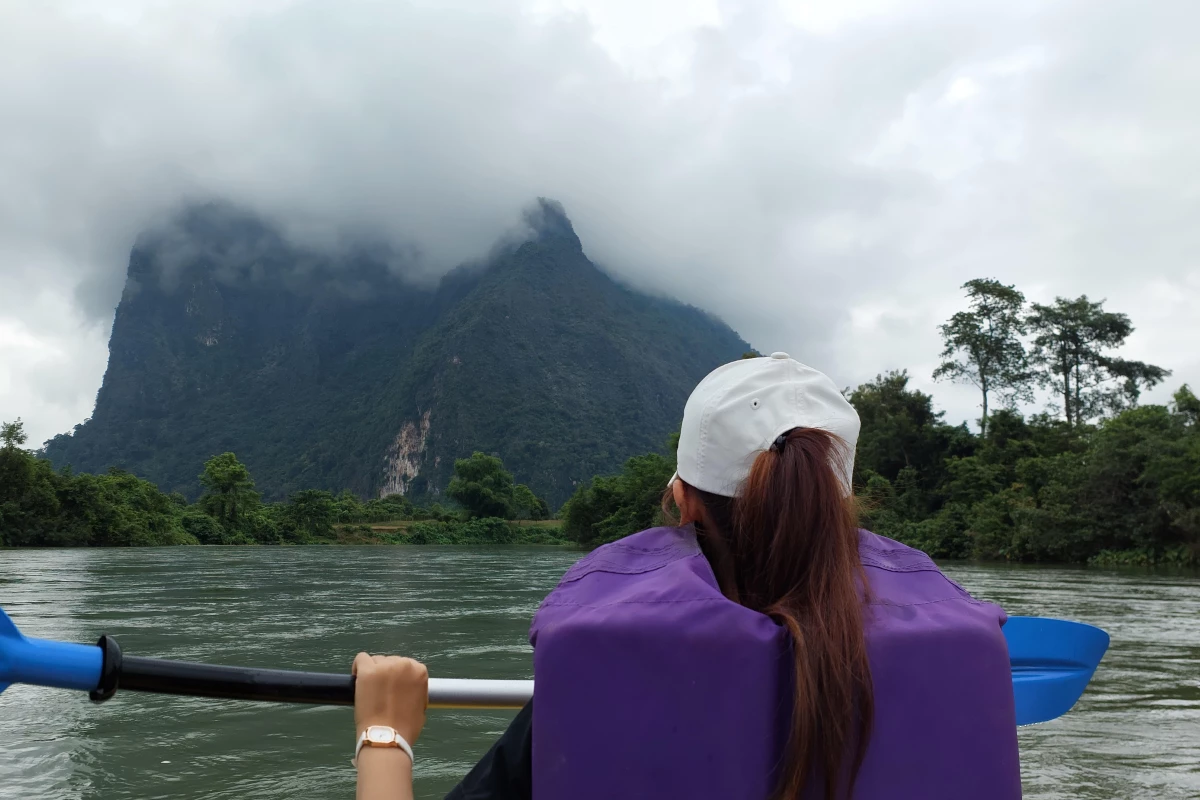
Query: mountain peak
[
  {"x": 323, "y": 374},
  {"x": 548, "y": 220}
]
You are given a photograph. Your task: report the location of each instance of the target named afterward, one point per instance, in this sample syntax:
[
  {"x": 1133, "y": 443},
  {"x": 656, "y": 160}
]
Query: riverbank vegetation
[
  {"x": 1093, "y": 477},
  {"x": 40, "y": 507},
  {"x": 1125, "y": 490}
]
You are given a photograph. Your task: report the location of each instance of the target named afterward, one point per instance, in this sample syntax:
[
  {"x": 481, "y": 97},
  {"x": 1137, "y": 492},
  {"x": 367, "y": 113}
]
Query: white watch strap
[{"x": 397, "y": 740}]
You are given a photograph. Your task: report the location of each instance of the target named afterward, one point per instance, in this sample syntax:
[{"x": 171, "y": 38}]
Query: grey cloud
[{"x": 825, "y": 192}]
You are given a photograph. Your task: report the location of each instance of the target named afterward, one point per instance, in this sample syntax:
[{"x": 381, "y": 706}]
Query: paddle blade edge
[{"x": 1053, "y": 660}]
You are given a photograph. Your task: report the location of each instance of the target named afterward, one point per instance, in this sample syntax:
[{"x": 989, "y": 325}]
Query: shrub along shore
[{"x": 483, "y": 531}]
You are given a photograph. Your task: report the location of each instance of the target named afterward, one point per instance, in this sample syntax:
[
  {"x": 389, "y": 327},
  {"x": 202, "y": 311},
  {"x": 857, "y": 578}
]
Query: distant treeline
[
  {"x": 40, "y": 507},
  {"x": 1094, "y": 478}
]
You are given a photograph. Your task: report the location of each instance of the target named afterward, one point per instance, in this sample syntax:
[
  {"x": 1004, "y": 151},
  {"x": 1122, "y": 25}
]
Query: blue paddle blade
[
  {"x": 46, "y": 663},
  {"x": 1052, "y": 662},
  {"x": 8, "y": 630}
]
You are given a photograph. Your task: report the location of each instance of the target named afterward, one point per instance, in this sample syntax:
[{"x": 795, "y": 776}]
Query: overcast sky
[{"x": 823, "y": 175}]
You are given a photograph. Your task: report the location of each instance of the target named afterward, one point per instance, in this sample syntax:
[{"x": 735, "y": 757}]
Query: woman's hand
[{"x": 392, "y": 691}]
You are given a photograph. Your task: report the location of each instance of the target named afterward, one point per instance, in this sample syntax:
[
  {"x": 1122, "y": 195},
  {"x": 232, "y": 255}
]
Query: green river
[{"x": 465, "y": 612}]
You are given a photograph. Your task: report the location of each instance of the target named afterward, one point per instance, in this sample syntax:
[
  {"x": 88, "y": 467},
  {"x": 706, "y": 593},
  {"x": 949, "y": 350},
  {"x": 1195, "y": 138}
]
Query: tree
[
  {"x": 13, "y": 434},
  {"x": 528, "y": 505},
  {"x": 1187, "y": 405},
  {"x": 348, "y": 508},
  {"x": 204, "y": 528},
  {"x": 29, "y": 505},
  {"x": 40, "y": 508},
  {"x": 901, "y": 429},
  {"x": 607, "y": 508},
  {"x": 482, "y": 486},
  {"x": 228, "y": 490},
  {"x": 1070, "y": 344},
  {"x": 311, "y": 512},
  {"x": 988, "y": 339}
]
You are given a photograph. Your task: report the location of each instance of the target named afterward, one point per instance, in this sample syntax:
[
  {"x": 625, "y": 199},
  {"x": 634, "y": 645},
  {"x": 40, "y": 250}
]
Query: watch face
[{"x": 379, "y": 734}]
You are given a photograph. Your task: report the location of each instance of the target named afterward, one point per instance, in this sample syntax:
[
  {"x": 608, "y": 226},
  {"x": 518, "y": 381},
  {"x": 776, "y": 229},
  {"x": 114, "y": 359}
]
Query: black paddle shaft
[
  {"x": 235, "y": 683},
  {"x": 210, "y": 680}
]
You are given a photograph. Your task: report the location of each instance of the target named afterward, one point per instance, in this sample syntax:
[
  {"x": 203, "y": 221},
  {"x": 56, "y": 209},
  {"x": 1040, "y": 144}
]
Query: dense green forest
[
  {"x": 41, "y": 507},
  {"x": 1095, "y": 477},
  {"x": 1124, "y": 491}
]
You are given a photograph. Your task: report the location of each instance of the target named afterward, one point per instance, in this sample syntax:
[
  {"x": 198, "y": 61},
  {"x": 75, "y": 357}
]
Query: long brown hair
[{"x": 787, "y": 546}]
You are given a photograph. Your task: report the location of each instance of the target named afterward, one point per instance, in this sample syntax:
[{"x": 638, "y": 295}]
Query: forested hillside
[{"x": 335, "y": 374}]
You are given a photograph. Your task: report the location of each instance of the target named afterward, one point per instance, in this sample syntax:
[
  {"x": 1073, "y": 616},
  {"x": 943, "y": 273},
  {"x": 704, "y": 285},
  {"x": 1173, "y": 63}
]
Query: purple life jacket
[{"x": 650, "y": 683}]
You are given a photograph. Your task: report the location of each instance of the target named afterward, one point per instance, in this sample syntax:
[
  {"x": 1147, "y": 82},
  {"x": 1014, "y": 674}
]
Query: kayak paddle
[
  {"x": 1052, "y": 662},
  {"x": 100, "y": 668}
]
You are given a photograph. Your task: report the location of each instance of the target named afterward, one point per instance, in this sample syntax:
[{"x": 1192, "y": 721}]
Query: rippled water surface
[{"x": 465, "y": 612}]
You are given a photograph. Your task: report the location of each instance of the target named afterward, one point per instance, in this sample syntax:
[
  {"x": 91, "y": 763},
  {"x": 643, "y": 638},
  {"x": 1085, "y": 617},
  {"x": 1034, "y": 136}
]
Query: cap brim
[{"x": 674, "y": 478}]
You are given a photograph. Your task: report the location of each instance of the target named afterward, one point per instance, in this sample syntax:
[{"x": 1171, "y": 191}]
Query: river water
[{"x": 465, "y": 612}]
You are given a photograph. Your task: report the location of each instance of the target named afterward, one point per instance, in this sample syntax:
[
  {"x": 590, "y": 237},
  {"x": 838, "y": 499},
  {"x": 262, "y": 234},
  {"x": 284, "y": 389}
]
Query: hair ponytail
[{"x": 787, "y": 546}]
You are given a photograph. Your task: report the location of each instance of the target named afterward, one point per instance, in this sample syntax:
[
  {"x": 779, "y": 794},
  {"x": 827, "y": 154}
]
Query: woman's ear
[{"x": 686, "y": 501}]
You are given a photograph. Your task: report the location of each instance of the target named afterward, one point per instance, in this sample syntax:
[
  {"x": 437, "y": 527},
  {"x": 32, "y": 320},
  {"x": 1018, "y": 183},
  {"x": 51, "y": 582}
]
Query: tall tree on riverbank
[
  {"x": 482, "y": 486},
  {"x": 528, "y": 505},
  {"x": 310, "y": 513},
  {"x": 1071, "y": 344},
  {"x": 228, "y": 490},
  {"x": 900, "y": 429},
  {"x": 12, "y": 434},
  {"x": 983, "y": 345},
  {"x": 28, "y": 502}
]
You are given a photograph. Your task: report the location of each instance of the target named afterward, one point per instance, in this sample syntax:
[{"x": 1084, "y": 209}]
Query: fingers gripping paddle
[{"x": 1052, "y": 662}]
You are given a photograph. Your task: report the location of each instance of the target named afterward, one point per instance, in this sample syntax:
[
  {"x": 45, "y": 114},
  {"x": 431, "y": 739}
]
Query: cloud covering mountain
[{"x": 822, "y": 179}]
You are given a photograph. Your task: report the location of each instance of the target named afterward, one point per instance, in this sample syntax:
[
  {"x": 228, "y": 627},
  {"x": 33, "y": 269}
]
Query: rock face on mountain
[{"x": 338, "y": 375}]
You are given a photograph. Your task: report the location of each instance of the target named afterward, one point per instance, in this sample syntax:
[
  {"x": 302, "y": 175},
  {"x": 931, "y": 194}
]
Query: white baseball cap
[{"x": 739, "y": 409}]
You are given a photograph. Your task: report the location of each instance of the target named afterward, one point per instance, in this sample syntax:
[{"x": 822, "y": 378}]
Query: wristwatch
[{"x": 381, "y": 736}]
